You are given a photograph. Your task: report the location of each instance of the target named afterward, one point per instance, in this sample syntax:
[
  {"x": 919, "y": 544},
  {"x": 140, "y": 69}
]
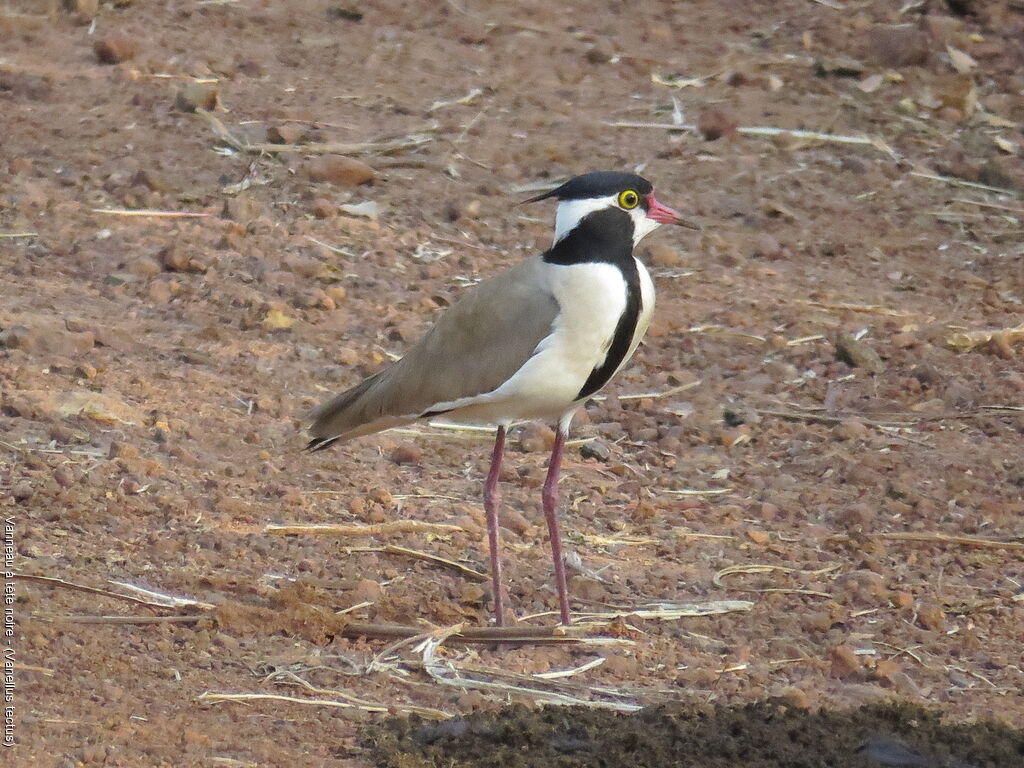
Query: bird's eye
[{"x": 629, "y": 199}]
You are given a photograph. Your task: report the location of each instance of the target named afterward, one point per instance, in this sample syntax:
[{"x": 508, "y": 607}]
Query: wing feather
[{"x": 476, "y": 345}]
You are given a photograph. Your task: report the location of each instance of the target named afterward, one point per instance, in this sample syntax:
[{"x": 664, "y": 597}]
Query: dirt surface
[
  {"x": 832, "y": 363},
  {"x": 757, "y": 735}
]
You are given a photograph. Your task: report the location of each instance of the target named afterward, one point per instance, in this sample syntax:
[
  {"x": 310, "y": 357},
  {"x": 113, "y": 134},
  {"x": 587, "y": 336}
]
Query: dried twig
[
  {"x": 380, "y": 147},
  {"x": 519, "y": 634},
  {"x": 283, "y": 677},
  {"x": 953, "y": 181},
  {"x": 1002, "y": 338},
  {"x": 664, "y": 611},
  {"x": 821, "y": 418},
  {"x": 696, "y": 491},
  {"x": 874, "y": 309},
  {"x": 8, "y": 235},
  {"x": 38, "y": 670},
  {"x": 465, "y": 570},
  {"x": 447, "y": 673},
  {"x": 329, "y": 247},
  {"x": 562, "y": 673},
  {"x": 942, "y": 538},
  {"x": 980, "y": 204},
  {"x": 375, "y": 529},
  {"x": 771, "y": 131},
  {"x": 722, "y": 331},
  {"x": 653, "y": 395},
  {"x": 221, "y": 698},
  {"x": 686, "y": 533},
  {"x": 143, "y": 212},
  {"x": 165, "y": 600},
  {"x": 85, "y": 619},
  {"x": 889, "y": 420},
  {"x": 168, "y": 601},
  {"x": 764, "y": 568}
]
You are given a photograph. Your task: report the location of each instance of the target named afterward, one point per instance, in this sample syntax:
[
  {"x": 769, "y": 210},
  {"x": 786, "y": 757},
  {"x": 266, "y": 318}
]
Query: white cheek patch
[
  {"x": 570, "y": 212},
  {"x": 642, "y": 225}
]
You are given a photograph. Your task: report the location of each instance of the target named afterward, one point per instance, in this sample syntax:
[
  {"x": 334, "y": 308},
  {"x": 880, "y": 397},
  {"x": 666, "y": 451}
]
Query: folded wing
[{"x": 476, "y": 345}]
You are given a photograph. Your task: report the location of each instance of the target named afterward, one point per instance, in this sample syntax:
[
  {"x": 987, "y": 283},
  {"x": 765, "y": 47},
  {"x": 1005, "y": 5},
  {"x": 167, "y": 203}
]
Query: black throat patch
[{"x": 605, "y": 237}]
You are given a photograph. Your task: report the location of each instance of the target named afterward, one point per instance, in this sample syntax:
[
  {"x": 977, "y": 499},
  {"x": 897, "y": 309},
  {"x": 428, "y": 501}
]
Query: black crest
[{"x": 597, "y": 184}]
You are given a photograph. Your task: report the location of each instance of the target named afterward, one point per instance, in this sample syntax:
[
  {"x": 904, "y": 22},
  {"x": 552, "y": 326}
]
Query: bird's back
[{"x": 475, "y": 346}]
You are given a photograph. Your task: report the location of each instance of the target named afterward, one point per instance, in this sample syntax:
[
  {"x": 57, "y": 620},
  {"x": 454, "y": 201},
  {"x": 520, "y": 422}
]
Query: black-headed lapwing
[{"x": 532, "y": 343}]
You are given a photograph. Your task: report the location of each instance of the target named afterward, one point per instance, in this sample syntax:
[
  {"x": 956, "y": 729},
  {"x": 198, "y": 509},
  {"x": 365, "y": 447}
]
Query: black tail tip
[{"x": 319, "y": 443}]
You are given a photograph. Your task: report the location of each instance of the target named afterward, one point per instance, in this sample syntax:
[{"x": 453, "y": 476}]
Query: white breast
[{"x": 591, "y": 299}]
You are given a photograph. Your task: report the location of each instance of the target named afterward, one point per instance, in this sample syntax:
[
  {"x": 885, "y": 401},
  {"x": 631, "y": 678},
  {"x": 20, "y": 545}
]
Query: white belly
[{"x": 592, "y": 298}]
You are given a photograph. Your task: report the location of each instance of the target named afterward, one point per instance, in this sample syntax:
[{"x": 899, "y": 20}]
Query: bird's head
[{"x": 601, "y": 191}]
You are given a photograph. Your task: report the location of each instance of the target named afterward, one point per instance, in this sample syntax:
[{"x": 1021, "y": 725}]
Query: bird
[{"x": 532, "y": 343}]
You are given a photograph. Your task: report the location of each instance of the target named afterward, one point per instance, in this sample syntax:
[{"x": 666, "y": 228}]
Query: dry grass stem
[
  {"x": 901, "y": 651},
  {"x": 873, "y": 309},
  {"x": 804, "y": 340},
  {"x": 563, "y": 673},
  {"x": 329, "y": 247},
  {"x": 596, "y": 540},
  {"x": 34, "y": 668},
  {"x": 447, "y": 673},
  {"x": 286, "y": 677},
  {"x": 353, "y": 608},
  {"x": 980, "y": 204},
  {"x": 770, "y": 131},
  {"x": 722, "y": 331},
  {"x": 83, "y": 619},
  {"x": 221, "y": 698},
  {"x": 696, "y": 491},
  {"x": 686, "y": 533},
  {"x": 167, "y": 600},
  {"x": 1001, "y": 338},
  {"x": 663, "y": 611},
  {"x": 11, "y": 235},
  {"x": 765, "y": 568},
  {"x": 786, "y": 591},
  {"x": 465, "y": 570},
  {"x": 942, "y": 538},
  {"x": 953, "y": 181},
  {"x": 821, "y": 418},
  {"x": 653, "y": 395},
  {"x": 562, "y": 685},
  {"x": 375, "y": 529},
  {"x": 381, "y": 147},
  {"x": 159, "y": 214},
  {"x": 892, "y": 421},
  {"x": 517, "y": 634},
  {"x": 169, "y": 76}
]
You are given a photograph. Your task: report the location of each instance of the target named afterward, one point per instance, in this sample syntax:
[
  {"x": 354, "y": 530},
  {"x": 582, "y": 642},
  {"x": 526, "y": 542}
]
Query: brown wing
[{"x": 474, "y": 347}]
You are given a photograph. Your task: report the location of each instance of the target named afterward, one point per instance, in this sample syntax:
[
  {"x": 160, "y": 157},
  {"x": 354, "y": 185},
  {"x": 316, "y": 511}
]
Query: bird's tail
[{"x": 358, "y": 411}]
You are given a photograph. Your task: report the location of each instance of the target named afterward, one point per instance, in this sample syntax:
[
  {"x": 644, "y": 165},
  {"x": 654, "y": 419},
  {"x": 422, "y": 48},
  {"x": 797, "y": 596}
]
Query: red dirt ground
[{"x": 153, "y": 369}]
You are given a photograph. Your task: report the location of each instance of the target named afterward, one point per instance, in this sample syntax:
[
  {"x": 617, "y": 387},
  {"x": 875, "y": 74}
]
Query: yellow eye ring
[{"x": 629, "y": 199}]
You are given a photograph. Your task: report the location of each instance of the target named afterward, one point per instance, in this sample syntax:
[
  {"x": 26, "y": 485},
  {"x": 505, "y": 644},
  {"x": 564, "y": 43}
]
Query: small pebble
[
  {"x": 406, "y": 453},
  {"x": 713, "y": 124},
  {"x": 596, "y": 449},
  {"x": 22, "y": 491},
  {"x": 535, "y": 438},
  {"x": 115, "y": 48},
  {"x": 858, "y": 353},
  {"x": 340, "y": 170},
  {"x": 195, "y": 96}
]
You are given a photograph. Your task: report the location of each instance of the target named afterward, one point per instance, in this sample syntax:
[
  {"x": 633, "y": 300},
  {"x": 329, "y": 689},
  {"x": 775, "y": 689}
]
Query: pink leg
[
  {"x": 550, "y": 512},
  {"x": 491, "y": 499}
]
